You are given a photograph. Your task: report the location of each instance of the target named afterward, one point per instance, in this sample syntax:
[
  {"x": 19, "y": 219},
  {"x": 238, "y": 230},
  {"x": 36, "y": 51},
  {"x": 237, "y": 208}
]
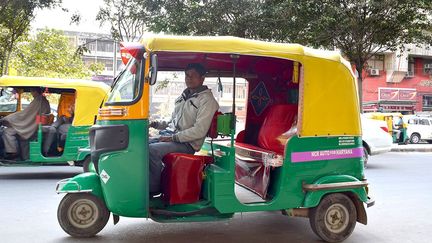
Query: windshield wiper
[{"x": 116, "y": 79}]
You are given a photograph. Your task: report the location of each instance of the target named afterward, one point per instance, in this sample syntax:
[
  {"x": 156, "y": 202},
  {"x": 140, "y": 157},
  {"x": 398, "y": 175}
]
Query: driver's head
[
  {"x": 194, "y": 75},
  {"x": 35, "y": 92}
]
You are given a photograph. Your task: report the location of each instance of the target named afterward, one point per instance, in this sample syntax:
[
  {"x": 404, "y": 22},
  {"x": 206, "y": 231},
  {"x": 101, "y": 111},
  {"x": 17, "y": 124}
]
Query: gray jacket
[{"x": 192, "y": 117}]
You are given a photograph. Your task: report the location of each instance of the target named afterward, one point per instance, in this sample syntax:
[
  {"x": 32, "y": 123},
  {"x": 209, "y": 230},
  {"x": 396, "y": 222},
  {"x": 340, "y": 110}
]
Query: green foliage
[
  {"x": 49, "y": 54},
  {"x": 219, "y": 17},
  {"x": 96, "y": 68},
  {"x": 15, "y": 17},
  {"x": 359, "y": 28}
]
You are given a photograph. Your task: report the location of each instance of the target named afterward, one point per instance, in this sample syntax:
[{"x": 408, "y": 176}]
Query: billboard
[{"x": 397, "y": 94}]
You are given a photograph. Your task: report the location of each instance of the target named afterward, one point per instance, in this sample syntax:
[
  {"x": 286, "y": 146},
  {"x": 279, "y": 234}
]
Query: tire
[
  {"x": 415, "y": 138},
  {"x": 365, "y": 156},
  {"x": 334, "y": 219},
  {"x": 86, "y": 164},
  {"x": 429, "y": 141},
  {"x": 82, "y": 214}
]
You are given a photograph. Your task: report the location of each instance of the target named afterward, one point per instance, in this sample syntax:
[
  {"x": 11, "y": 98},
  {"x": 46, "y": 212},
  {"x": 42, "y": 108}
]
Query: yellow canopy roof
[
  {"x": 328, "y": 103},
  {"x": 89, "y": 94}
]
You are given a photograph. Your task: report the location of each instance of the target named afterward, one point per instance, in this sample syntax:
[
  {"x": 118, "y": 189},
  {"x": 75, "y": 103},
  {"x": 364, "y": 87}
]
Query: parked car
[
  {"x": 376, "y": 139},
  {"x": 420, "y": 128}
]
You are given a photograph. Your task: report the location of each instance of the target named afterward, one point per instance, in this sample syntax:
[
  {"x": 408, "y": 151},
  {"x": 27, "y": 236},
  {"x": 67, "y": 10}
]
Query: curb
[{"x": 411, "y": 149}]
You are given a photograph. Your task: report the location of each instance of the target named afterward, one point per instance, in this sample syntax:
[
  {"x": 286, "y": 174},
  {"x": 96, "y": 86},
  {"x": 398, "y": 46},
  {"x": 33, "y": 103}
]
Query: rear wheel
[
  {"x": 82, "y": 214},
  {"x": 415, "y": 138},
  {"x": 334, "y": 219},
  {"x": 365, "y": 156},
  {"x": 429, "y": 141}
]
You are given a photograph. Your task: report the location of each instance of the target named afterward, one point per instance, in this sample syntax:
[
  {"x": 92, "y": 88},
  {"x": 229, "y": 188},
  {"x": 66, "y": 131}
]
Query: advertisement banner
[{"x": 397, "y": 94}]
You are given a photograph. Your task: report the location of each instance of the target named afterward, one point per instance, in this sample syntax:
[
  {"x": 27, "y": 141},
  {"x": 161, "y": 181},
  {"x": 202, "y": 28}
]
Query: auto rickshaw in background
[
  {"x": 85, "y": 96},
  {"x": 300, "y": 152},
  {"x": 396, "y": 124}
]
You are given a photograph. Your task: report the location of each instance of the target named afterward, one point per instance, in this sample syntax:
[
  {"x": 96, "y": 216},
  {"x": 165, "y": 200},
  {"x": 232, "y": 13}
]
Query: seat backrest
[
  {"x": 212, "y": 132},
  {"x": 279, "y": 119},
  {"x": 66, "y": 100}
]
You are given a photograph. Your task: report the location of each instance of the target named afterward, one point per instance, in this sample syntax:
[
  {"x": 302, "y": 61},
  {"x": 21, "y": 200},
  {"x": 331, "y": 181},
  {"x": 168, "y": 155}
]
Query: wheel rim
[
  {"x": 83, "y": 213},
  {"x": 415, "y": 139},
  {"x": 336, "y": 218}
]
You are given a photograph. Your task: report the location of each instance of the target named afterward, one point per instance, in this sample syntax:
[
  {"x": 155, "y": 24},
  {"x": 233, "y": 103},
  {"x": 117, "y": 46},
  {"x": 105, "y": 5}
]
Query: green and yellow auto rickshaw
[
  {"x": 85, "y": 96},
  {"x": 396, "y": 125},
  {"x": 300, "y": 152}
]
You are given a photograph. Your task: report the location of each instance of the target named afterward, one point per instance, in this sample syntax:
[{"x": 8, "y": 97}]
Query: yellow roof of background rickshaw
[
  {"x": 329, "y": 102},
  {"x": 383, "y": 114},
  {"x": 89, "y": 94}
]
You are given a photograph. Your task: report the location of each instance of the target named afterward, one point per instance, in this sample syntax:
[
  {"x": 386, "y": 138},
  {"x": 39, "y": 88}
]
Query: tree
[
  {"x": 127, "y": 18},
  {"x": 219, "y": 17},
  {"x": 360, "y": 29},
  {"x": 15, "y": 18},
  {"x": 49, "y": 54},
  {"x": 96, "y": 68}
]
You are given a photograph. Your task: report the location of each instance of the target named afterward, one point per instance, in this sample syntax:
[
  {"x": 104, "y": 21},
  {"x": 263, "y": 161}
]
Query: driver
[
  {"x": 190, "y": 121},
  {"x": 23, "y": 123}
]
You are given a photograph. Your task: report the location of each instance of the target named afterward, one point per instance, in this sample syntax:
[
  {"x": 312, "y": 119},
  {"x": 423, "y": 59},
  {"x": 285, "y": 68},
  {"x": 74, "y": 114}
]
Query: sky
[{"x": 58, "y": 19}]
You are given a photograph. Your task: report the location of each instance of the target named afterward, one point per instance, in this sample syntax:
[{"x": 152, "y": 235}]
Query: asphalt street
[{"x": 400, "y": 183}]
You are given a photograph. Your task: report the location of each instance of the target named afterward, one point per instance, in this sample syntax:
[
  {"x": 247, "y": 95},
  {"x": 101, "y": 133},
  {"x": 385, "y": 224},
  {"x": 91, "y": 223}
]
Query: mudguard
[
  {"x": 83, "y": 153},
  {"x": 313, "y": 198},
  {"x": 86, "y": 182}
]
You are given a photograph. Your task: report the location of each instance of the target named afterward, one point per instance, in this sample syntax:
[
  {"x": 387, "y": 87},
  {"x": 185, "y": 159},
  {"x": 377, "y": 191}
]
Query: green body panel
[
  {"x": 285, "y": 188},
  {"x": 77, "y": 137},
  {"x": 85, "y": 182},
  {"x": 92, "y": 167},
  {"x": 313, "y": 198},
  {"x": 224, "y": 124},
  {"x": 127, "y": 190},
  {"x": 83, "y": 153},
  {"x": 403, "y": 136}
]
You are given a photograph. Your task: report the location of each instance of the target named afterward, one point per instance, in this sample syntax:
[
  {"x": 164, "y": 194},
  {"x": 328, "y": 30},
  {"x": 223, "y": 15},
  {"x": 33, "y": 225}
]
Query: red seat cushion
[
  {"x": 278, "y": 121},
  {"x": 182, "y": 177}
]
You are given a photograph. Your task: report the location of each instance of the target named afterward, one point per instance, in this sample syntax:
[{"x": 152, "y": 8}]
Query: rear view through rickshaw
[{"x": 300, "y": 152}]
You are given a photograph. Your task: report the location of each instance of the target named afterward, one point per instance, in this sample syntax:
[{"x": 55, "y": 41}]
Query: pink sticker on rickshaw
[{"x": 326, "y": 155}]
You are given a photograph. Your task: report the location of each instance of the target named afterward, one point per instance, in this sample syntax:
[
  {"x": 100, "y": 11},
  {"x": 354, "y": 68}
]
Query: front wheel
[
  {"x": 82, "y": 214},
  {"x": 334, "y": 219},
  {"x": 86, "y": 164}
]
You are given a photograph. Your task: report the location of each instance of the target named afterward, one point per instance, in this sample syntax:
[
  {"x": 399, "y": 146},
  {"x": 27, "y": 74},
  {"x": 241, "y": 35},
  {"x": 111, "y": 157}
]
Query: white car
[
  {"x": 420, "y": 128},
  {"x": 376, "y": 138}
]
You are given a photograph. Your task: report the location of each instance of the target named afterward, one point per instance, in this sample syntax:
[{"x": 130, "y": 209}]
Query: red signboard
[{"x": 397, "y": 94}]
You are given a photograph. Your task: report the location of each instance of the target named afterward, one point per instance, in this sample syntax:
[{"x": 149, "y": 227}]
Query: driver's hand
[
  {"x": 165, "y": 139},
  {"x": 154, "y": 124}
]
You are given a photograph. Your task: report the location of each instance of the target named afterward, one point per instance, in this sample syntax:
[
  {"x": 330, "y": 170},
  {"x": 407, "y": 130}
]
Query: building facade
[
  {"x": 399, "y": 81},
  {"x": 101, "y": 49}
]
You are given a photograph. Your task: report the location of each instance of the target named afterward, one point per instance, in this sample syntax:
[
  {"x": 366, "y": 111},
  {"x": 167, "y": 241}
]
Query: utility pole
[{"x": 115, "y": 58}]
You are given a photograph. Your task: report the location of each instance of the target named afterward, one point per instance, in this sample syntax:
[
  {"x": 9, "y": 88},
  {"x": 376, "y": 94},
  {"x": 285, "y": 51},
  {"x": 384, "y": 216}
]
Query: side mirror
[{"x": 153, "y": 69}]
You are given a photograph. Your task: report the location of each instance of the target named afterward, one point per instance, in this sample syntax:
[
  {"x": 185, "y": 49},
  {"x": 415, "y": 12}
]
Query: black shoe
[{"x": 11, "y": 156}]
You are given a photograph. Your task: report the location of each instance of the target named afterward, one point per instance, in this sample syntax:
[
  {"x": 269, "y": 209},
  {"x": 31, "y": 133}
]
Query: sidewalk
[{"x": 423, "y": 147}]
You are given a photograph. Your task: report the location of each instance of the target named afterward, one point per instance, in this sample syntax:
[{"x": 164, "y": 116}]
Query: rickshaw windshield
[{"x": 126, "y": 87}]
